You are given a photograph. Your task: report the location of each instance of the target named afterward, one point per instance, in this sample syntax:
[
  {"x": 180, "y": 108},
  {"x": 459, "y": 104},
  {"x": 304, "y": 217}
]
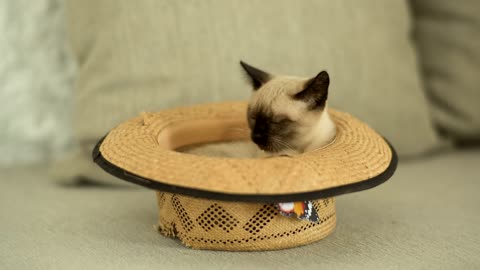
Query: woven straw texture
[
  {"x": 210, "y": 224},
  {"x": 143, "y": 146}
]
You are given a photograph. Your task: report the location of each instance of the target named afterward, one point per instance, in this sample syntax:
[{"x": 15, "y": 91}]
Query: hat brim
[{"x": 141, "y": 151}]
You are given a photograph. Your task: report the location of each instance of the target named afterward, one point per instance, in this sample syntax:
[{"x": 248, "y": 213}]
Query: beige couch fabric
[
  {"x": 448, "y": 38},
  {"x": 148, "y": 55},
  {"x": 425, "y": 217}
]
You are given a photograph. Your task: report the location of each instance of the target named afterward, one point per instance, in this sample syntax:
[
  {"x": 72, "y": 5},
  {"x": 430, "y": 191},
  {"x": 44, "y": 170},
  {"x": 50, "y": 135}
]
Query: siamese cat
[{"x": 286, "y": 115}]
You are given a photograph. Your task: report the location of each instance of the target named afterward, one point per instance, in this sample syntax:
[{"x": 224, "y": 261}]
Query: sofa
[{"x": 151, "y": 55}]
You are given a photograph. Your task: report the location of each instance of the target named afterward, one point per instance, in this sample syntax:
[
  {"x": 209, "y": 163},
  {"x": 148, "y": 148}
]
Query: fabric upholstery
[
  {"x": 424, "y": 217},
  {"x": 448, "y": 38},
  {"x": 149, "y": 55}
]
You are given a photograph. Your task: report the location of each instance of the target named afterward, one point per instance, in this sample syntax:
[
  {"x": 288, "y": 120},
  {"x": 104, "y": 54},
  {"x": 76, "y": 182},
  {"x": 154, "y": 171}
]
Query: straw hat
[
  {"x": 229, "y": 203},
  {"x": 141, "y": 151}
]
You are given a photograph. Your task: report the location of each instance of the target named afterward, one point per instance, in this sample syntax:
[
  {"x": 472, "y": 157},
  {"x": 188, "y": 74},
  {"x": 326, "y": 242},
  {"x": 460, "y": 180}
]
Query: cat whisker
[
  {"x": 282, "y": 142},
  {"x": 277, "y": 143}
]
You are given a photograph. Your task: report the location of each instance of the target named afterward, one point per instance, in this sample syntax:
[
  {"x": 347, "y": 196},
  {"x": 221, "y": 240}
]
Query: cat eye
[
  {"x": 279, "y": 120},
  {"x": 251, "y": 119},
  {"x": 276, "y": 122}
]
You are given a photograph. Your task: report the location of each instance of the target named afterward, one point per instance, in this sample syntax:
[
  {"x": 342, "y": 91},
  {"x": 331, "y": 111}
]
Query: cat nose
[{"x": 259, "y": 138}]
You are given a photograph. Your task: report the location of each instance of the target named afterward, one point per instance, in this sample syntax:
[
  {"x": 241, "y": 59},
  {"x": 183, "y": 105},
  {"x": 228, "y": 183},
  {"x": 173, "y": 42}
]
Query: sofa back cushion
[
  {"x": 149, "y": 55},
  {"x": 448, "y": 38}
]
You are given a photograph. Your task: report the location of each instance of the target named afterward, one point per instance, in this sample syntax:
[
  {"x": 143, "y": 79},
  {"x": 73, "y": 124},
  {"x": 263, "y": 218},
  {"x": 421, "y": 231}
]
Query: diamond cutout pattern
[
  {"x": 187, "y": 223},
  {"x": 216, "y": 216},
  {"x": 261, "y": 219}
]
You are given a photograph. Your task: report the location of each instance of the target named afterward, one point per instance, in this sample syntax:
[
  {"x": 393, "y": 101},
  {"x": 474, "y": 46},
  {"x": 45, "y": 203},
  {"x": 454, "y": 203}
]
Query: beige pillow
[
  {"x": 149, "y": 55},
  {"x": 448, "y": 37}
]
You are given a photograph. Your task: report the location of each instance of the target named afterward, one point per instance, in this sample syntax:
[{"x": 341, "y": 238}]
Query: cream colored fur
[{"x": 316, "y": 127}]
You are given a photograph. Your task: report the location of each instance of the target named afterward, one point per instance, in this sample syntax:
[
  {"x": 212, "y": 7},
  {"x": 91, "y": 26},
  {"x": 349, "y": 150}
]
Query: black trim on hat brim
[{"x": 264, "y": 198}]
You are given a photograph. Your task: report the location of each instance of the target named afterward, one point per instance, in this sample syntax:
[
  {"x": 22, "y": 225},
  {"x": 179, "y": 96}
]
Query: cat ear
[
  {"x": 258, "y": 77},
  {"x": 316, "y": 91}
]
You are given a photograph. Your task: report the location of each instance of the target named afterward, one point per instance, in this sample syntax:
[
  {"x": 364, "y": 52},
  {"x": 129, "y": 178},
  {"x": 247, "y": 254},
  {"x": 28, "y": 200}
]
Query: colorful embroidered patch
[{"x": 303, "y": 210}]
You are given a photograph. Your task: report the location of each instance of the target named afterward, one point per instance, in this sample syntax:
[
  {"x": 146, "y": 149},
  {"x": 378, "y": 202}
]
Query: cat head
[{"x": 286, "y": 113}]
